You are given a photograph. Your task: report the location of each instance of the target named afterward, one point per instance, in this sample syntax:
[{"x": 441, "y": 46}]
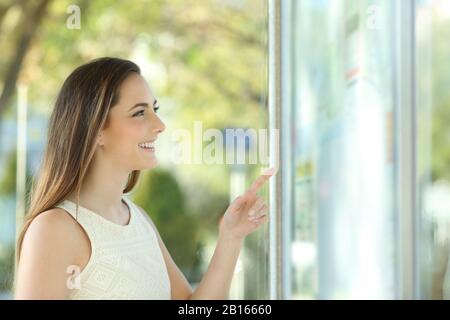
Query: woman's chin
[
  {"x": 148, "y": 160},
  {"x": 150, "y": 165}
]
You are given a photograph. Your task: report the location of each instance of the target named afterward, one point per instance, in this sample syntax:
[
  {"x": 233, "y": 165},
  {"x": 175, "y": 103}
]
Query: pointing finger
[{"x": 261, "y": 180}]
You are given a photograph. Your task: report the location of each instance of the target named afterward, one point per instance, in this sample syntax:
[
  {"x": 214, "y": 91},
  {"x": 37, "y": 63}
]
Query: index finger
[{"x": 260, "y": 181}]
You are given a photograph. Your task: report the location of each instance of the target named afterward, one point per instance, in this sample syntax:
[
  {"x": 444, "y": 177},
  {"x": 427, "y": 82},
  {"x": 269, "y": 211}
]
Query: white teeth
[{"x": 146, "y": 145}]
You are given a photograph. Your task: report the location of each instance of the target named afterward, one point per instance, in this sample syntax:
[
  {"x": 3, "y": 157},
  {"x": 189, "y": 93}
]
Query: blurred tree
[
  {"x": 194, "y": 43},
  {"x": 185, "y": 37},
  {"x": 8, "y": 180},
  {"x": 31, "y": 19},
  {"x": 436, "y": 260},
  {"x": 440, "y": 138},
  {"x": 6, "y": 269}
]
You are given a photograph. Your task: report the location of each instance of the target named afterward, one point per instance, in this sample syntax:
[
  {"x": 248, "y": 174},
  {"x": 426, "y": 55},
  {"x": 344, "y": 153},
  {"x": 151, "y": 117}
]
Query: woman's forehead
[{"x": 135, "y": 89}]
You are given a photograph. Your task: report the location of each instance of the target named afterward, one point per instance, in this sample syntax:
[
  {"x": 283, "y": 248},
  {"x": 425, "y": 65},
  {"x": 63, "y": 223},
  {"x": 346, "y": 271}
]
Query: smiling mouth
[{"x": 147, "y": 146}]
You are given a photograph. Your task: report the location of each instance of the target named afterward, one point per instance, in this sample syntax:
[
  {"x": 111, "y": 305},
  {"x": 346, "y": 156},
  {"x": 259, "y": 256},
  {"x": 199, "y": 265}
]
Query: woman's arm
[
  {"x": 216, "y": 282},
  {"x": 47, "y": 251},
  {"x": 245, "y": 214},
  {"x": 234, "y": 227}
]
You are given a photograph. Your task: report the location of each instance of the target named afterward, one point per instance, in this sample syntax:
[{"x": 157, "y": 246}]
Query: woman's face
[{"x": 132, "y": 127}]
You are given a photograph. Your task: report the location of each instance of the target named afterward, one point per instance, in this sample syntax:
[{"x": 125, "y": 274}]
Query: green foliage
[
  {"x": 441, "y": 103},
  {"x": 8, "y": 181},
  {"x": 434, "y": 101},
  {"x": 7, "y": 270},
  {"x": 440, "y": 139}
]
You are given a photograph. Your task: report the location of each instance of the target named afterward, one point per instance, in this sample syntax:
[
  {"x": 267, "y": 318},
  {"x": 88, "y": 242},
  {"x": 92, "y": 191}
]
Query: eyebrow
[{"x": 142, "y": 104}]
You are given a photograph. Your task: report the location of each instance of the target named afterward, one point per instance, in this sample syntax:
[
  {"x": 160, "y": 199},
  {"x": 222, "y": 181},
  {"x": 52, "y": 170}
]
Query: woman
[{"x": 82, "y": 238}]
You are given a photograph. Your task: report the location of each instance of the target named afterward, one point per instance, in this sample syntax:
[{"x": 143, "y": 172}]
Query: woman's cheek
[
  {"x": 138, "y": 131},
  {"x": 125, "y": 137},
  {"x": 133, "y": 130}
]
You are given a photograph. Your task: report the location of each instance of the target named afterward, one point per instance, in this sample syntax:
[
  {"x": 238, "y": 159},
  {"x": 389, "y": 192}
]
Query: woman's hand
[{"x": 247, "y": 212}]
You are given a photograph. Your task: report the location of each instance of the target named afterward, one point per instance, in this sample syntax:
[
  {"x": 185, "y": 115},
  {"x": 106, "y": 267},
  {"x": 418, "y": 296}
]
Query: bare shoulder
[
  {"x": 51, "y": 217},
  {"x": 51, "y": 223},
  {"x": 52, "y": 230},
  {"x": 51, "y": 244}
]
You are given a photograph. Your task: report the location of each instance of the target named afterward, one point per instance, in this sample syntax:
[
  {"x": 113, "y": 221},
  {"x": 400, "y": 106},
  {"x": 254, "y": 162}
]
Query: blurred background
[
  {"x": 364, "y": 108},
  {"x": 204, "y": 61}
]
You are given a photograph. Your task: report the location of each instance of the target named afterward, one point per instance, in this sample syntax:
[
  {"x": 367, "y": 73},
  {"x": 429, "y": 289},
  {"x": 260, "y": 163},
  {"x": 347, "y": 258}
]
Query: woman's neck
[{"x": 102, "y": 190}]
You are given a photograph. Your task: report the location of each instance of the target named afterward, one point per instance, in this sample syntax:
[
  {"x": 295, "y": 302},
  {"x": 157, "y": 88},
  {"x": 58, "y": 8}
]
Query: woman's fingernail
[
  {"x": 251, "y": 212},
  {"x": 269, "y": 171}
]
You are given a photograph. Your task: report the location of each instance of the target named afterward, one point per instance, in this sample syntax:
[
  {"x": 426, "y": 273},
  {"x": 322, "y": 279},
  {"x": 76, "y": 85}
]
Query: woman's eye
[
  {"x": 156, "y": 109},
  {"x": 139, "y": 113}
]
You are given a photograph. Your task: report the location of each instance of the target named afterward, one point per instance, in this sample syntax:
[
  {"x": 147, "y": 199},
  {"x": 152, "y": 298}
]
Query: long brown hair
[{"x": 80, "y": 112}]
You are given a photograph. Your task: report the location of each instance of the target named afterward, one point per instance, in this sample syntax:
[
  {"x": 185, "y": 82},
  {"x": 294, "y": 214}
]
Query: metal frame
[
  {"x": 276, "y": 256},
  {"x": 280, "y": 14},
  {"x": 287, "y": 121},
  {"x": 406, "y": 145}
]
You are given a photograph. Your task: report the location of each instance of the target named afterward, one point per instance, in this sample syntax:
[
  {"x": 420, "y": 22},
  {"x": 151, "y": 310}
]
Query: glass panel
[
  {"x": 344, "y": 243},
  {"x": 433, "y": 153}
]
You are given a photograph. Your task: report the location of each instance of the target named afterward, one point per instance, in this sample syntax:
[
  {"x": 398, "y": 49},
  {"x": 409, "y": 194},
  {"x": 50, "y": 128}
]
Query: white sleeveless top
[{"x": 126, "y": 260}]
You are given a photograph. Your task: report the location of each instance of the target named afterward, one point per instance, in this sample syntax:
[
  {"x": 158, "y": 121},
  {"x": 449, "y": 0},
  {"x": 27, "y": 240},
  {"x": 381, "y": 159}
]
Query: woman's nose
[{"x": 159, "y": 125}]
